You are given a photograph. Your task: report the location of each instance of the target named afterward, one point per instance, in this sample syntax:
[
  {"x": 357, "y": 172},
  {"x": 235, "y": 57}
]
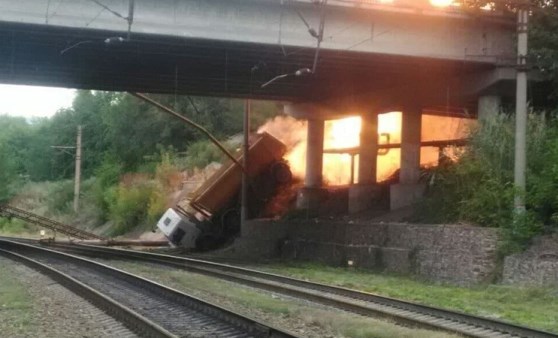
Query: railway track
[
  {"x": 367, "y": 304},
  {"x": 146, "y": 307}
]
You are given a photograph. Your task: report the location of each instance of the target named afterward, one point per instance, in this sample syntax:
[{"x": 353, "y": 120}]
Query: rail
[
  {"x": 159, "y": 310},
  {"x": 407, "y": 313}
]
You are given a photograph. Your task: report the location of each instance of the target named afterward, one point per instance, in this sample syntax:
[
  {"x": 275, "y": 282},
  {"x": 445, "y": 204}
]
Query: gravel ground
[{"x": 52, "y": 310}]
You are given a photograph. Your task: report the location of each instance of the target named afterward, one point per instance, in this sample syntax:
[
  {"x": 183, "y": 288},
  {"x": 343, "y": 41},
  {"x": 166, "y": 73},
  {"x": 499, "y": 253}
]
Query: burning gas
[{"x": 344, "y": 134}]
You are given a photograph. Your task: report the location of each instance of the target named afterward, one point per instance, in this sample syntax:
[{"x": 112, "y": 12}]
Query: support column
[
  {"x": 368, "y": 155},
  {"x": 488, "y": 105},
  {"x": 409, "y": 189},
  {"x": 411, "y": 126},
  {"x": 310, "y": 196},
  {"x": 363, "y": 195}
]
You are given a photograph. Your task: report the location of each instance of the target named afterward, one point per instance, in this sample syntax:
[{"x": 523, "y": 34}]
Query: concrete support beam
[
  {"x": 488, "y": 105},
  {"x": 409, "y": 189},
  {"x": 310, "y": 196}
]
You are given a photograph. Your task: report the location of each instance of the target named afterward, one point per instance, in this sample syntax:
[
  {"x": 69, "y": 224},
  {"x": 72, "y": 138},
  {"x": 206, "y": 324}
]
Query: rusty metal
[{"x": 9, "y": 211}]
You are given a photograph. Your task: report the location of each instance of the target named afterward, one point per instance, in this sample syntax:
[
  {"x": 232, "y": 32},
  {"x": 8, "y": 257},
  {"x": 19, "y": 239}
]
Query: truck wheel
[
  {"x": 282, "y": 173},
  {"x": 230, "y": 221}
]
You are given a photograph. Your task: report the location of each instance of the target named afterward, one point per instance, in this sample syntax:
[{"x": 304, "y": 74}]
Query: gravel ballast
[{"x": 47, "y": 309}]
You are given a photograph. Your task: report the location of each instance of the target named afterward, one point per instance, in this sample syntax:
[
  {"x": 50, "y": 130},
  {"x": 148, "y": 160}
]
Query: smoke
[{"x": 292, "y": 133}]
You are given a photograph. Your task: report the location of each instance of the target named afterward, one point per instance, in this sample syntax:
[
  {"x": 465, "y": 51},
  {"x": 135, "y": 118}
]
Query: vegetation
[
  {"x": 132, "y": 155},
  {"x": 479, "y": 187},
  {"x": 531, "y": 306}
]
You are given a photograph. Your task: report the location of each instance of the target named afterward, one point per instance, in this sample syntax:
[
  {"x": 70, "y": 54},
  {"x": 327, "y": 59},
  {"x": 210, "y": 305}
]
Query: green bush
[
  {"x": 168, "y": 179},
  {"x": 61, "y": 196},
  {"x": 202, "y": 153},
  {"x": 106, "y": 177},
  {"x": 130, "y": 206},
  {"x": 7, "y": 175},
  {"x": 479, "y": 189},
  {"x": 12, "y": 226}
]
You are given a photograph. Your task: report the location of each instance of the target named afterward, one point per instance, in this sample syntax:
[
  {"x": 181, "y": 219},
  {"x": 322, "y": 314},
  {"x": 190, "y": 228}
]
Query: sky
[{"x": 30, "y": 101}]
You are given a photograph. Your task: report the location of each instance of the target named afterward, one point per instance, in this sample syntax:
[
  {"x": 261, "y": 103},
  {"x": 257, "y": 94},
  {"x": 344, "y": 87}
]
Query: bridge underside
[{"x": 51, "y": 56}]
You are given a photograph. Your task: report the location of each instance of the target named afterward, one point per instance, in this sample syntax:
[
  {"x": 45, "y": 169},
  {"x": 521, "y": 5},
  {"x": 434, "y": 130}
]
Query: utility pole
[
  {"x": 77, "y": 180},
  {"x": 245, "y": 152},
  {"x": 521, "y": 107}
]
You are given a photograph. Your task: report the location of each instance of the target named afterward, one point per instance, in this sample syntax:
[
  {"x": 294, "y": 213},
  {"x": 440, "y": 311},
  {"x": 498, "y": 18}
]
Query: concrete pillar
[
  {"x": 314, "y": 154},
  {"x": 368, "y": 155},
  {"x": 310, "y": 196},
  {"x": 488, "y": 105},
  {"x": 409, "y": 189},
  {"x": 363, "y": 195},
  {"x": 410, "y": 146}
]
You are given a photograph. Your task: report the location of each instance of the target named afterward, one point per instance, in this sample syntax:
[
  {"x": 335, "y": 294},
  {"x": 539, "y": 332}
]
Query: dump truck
[{"x": 210, "y": 215}]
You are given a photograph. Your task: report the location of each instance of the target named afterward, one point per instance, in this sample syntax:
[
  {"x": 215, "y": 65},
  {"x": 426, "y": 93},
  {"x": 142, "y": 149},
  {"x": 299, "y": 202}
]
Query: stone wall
[
  {"x": 536, "y": 266},
  {"x": 450, "y": 253}
]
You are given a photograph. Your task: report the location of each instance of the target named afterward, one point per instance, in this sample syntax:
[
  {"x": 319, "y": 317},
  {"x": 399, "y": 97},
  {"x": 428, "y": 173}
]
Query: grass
[
  {"x": 15, "y": 305},
  {"x": 531, "y": 306},
  {"x": 293, "y": 311}
]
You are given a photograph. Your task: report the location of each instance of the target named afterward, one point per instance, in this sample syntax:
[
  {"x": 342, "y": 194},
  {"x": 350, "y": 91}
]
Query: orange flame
[{"x": 345, "y": 134}]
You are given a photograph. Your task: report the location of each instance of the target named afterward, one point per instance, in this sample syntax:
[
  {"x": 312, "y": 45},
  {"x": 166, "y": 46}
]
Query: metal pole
[
  {"x": 77, "y": 180},
  {"x": 190, "y": 122},
  {"x": 245, "y": 152},
  {"x": 521, "y": 108}
]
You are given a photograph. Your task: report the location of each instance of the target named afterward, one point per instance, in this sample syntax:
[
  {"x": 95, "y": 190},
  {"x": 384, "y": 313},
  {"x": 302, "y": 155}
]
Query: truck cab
[{"x": 210, "y": 215}]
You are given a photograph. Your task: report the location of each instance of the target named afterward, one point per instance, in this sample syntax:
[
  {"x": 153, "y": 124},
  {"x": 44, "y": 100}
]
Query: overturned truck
[{"x": 210, "y": 215}]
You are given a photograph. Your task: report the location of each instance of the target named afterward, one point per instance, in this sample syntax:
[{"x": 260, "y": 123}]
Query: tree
[{"x": 8, "y": 175}]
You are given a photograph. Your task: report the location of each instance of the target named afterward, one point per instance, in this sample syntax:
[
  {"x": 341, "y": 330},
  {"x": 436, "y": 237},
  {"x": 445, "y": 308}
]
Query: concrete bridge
[{"x": 372, "y": 58}]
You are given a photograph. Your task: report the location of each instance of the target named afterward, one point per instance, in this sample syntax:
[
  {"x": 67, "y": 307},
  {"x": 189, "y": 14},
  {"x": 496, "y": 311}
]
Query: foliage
[
  {"x": 7, "y": 175},
  {"x": 129, "y": 202},
  {"x": 61, "y": 197},
  {"x": 168, "y": 179},
  {"x": 141, "y": 199},
  {"x": 479, "y": 187},
  {"x": 202, "y": 153},
  {"x": 12, "y": 226},
  {"x": 118, "y": 129},
  {"x": 120, "y": 134}
]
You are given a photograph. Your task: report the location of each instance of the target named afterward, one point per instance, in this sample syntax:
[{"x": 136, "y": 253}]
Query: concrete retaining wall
[
  {"x": 450, "y": 253},
  {"x": 536, "y": 266}
]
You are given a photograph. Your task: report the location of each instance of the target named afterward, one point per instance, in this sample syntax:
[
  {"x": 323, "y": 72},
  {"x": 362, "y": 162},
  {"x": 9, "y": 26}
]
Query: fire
[
  {"x": 441, "y": 3},
  {"x": 344, "y": 135},
  {"x": 340, "y": 134}
]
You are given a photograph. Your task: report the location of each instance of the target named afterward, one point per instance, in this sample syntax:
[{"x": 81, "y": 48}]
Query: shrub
[
  {"x": 60, "y": 196},
  {"x": 478, "y": 188},
  {"x": 202, "y": 153},
  {"x": 106, "y": 177},
  {"x": 168, "y": 179},
  {"x": 129, "y": 204},
  {"x": 12, "y": 226}
]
